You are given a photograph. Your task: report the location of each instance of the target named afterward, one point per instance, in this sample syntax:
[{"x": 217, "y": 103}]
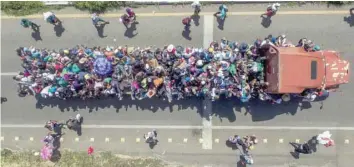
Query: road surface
[{"x": 330, "y": 31}]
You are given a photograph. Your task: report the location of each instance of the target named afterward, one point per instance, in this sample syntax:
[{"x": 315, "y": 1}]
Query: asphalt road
[
  {"x": 330, "y": 31},
  {"x": 185, "y": 146}
]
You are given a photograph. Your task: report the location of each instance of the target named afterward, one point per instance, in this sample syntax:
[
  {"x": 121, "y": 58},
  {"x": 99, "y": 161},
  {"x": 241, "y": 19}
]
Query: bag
[{"x": 185, "y": 21}]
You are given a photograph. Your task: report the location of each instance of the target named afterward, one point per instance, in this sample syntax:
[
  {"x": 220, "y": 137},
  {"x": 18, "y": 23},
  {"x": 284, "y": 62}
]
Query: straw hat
[{"x": 83, "y": 60}]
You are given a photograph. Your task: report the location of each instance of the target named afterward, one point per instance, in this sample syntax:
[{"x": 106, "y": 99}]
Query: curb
[{"x": 323, "y": 12}]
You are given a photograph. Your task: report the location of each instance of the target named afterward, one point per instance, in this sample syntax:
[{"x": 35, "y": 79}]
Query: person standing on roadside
[
  {"x": 27, "y": 23},
  {"x": 271, "y": 10},
  {"x": 196, "y": 6},
  {"x": 221, "y": 14},
  {"x": 187, "y": 23},
  {"x": 131, "y": 14},
  {"x": 97, "y": 21}
]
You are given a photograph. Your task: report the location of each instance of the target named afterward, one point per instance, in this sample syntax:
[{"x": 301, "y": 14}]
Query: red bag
[{"x": 186, "y": 21}]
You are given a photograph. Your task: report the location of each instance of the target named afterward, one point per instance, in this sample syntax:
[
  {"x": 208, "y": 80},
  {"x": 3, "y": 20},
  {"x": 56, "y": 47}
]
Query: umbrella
[
  {"x": 102, "y": 66},
  {"x": 46, "y": 152}
]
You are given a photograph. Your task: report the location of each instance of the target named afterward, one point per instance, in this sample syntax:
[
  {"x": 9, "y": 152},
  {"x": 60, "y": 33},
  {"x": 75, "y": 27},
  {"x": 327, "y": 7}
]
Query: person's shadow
[
  {"x": 266, "y": 21},
  {"x": 100, "y": 30},
  {"x": 221, "y": 23},
  {"x": 36, "y": 34},
  {"x": 59, "y": 29},
  {"x": 186, "y": 33},
  {"x": 131, "y": 32},
  {"x": 350, "y": 19},
  {"x": 195, "y": 19}
]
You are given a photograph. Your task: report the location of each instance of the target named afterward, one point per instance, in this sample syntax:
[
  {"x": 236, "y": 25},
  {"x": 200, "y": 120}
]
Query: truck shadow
[{"x": 222, "y": 109}]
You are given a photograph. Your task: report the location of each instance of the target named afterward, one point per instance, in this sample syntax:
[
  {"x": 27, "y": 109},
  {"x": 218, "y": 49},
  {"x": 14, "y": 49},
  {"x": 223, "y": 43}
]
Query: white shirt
[{"x": 195, "y": 4}]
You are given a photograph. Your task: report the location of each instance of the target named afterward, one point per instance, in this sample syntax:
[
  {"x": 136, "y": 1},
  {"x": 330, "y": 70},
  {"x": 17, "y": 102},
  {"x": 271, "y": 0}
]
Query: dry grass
[{"x": 77, "y": 159}]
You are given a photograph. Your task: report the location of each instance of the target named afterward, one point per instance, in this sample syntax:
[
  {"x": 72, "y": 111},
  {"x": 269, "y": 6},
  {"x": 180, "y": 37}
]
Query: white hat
[
  {"x": 170, "y": 48},
  {"x": 147, "y": 66},
  {"x": 200, "y": 63},
  {"x": 203, "y": 82}
]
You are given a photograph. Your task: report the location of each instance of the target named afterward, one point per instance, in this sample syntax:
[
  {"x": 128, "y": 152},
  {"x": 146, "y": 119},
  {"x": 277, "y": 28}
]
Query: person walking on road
[
  {"x": 27, "y": 23},
  {"x": 221, "y": 14},
  {"x": 97, "y": 21},
  {"x": 151, "y": 137},
  {"x": 271, "y": 10},
  {"x": 196, "y": 6},
  {"x": 187, "y": 23},
  {"x": 51, "y": 18},
  {"x": 131, "y": 14}
]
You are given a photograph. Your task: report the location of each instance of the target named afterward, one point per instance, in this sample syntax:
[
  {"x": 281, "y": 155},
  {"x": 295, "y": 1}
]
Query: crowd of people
[{"x": 226, "y": 68}]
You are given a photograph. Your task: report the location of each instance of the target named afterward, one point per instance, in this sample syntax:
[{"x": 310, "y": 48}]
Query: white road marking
[
  {"x": 200, "y": 140},
  {"x": 187, "y": 127},
  {"x": 297, "y": 141},
  {"x": 265, "y": 140},
  {"x": 281, "y": 140},
  {"x": 216, "y": 140},
  {"x": 207, "y": 131},
  {"x": 346, "y": 141},
  {"x": 9, "y": 73}
]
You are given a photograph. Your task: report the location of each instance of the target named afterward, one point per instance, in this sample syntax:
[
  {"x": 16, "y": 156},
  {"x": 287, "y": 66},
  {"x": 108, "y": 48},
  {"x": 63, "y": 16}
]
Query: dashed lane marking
[
  {"x": 17, "y": 138},
  {"x": 297, "y": 141},
  {"x": 77, "y": 139},
  {"x": 106, "y": 139},
  {"x": 92, "y": 139},
  {"x": 156, "y": 14},
  {"x": 137, "y": 140},
  {"x": 181, "y": 127},
  {"x": 200, "y": 140},
  {"x": 281, "y": 140},
  {"x": 185, "y": 140},
  {"x": 216, "y": 140},
  {"x": 265, "y": 140},
  {"x": 170, "y": 140},
  {"x": 346, "y": 141},
  {"x": 31, "y": 139}
]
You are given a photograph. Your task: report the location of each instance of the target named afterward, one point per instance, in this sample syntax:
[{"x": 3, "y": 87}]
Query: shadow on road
[
  {"x": 223, "y": 108},
  {"x": 266, "y": 21},
  {"x": 131, "y": 32},
  {"x": 186, "y": 34},
  {"x": 100, "y": 30},
  {"x": 221, "y": 23},
  {"x": 350, "y": 19},
  {"x": 195, "y": 19},
  {"x": 59, "y": 29}
]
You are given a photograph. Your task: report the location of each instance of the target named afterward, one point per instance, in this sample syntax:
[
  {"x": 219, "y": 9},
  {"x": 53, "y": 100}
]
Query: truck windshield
[{"x": 313, "y": 70}]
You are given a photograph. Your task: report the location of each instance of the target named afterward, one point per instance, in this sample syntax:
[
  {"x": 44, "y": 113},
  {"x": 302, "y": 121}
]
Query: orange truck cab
[{"x": 292, "y": 69}]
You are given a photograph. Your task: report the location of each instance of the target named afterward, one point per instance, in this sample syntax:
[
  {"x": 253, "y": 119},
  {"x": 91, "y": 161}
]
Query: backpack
[{"x": 185, "y": 21}]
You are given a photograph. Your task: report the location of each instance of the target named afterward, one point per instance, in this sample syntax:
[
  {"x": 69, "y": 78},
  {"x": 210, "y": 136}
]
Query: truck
[{"x": 292, "y": 70}]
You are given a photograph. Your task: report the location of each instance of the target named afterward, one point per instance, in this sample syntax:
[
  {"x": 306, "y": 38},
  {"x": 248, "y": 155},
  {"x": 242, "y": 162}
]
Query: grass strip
[{"x": 68, "y": 158}]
